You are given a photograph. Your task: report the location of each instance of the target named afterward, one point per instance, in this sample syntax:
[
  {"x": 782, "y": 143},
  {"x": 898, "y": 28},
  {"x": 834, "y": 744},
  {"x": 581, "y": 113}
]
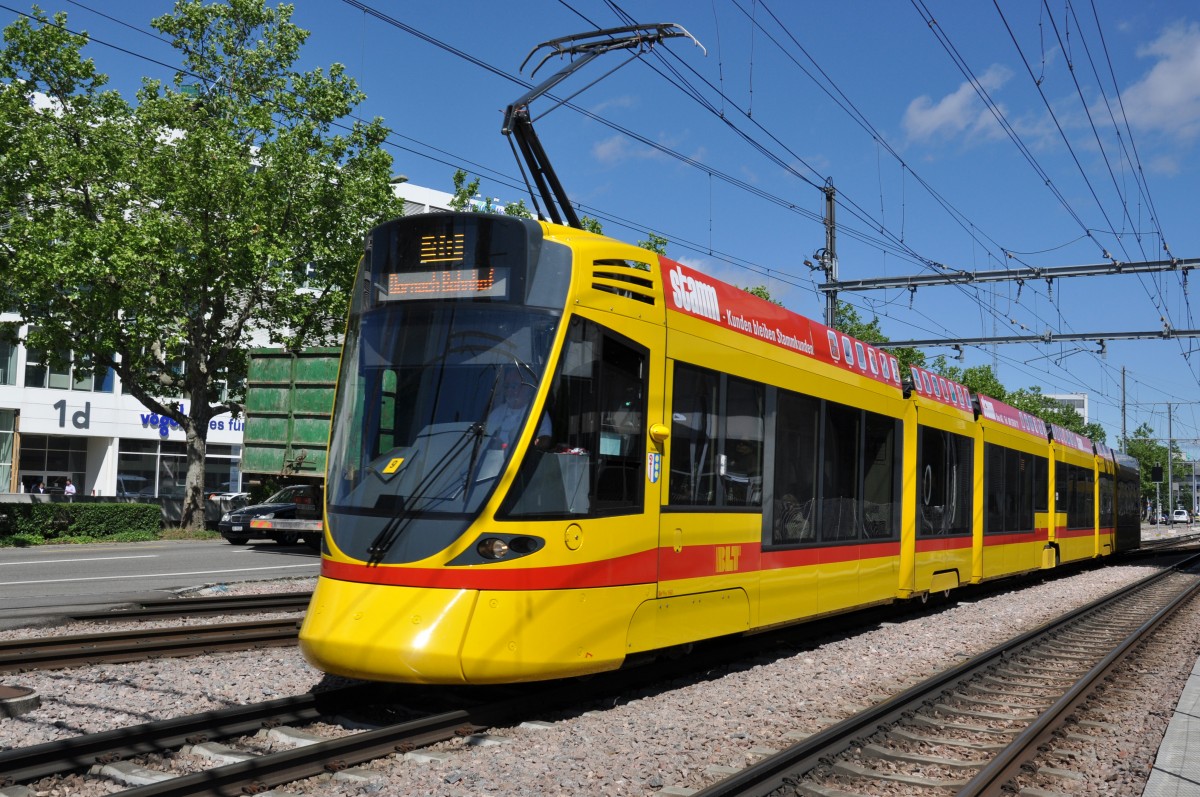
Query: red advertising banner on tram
[{"x": 699, "y": 295}]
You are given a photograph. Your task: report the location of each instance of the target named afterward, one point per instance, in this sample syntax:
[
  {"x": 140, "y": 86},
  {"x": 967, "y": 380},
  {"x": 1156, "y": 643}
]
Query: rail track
[
  {"x": 169, "y": 608},
  {"x": 57, "y": 652},
  {"x": 76, "y": 650},
  {"x": 114, "y": 756},
  {"x": 970, "y": 729},
  {"x": 142, "y": 753}
]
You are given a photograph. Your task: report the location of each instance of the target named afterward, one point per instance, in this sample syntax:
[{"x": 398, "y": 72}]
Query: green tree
[
  {"x": 655, "y": 243},
  {"x": 464, "y": 192},
  {"x": 160, "y": 238},
  {"x": 1149, "y": 453},
  {"x": 591, "y": 225},
  {"x": 762, "y": 292},
  {"x": 1033, "y": 401},
  {"x": 464, "y": 200},
  {"x": 977, "y": 378}
]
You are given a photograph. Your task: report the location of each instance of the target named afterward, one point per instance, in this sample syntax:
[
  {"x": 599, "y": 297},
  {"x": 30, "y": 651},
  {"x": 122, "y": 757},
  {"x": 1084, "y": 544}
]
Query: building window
[
  {"x": 74, "y": 376},
  {"x": 7, "y": 424},
  {"x": 152, "y": 468},
  {"x": 52, "y": 460},
  {"x": 8, "y": 363}
]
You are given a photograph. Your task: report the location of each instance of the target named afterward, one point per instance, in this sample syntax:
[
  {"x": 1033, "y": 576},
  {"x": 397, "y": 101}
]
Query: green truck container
[{"x": 289, "y": 401}]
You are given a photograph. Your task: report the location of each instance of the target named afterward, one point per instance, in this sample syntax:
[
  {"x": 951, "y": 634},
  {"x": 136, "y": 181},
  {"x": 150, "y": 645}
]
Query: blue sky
[{"x": 1095, "y": 152}]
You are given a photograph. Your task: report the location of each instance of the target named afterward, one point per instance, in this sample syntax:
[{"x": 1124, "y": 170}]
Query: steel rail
[
  {"x": 27, "y": 764},
  {"x": 196, "y": 607},
  {"x": 992, "y": 777},
  {"x": 55, "y": 652},
  {"x": 767, "y": 776}
]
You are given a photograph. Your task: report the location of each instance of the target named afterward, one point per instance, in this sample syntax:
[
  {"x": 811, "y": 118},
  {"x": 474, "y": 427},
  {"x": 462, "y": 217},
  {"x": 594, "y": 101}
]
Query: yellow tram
[{"x": 552, "y": 451}]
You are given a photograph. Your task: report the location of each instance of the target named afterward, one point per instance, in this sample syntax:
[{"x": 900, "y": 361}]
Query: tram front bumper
[{"x": 387, "y": 633}]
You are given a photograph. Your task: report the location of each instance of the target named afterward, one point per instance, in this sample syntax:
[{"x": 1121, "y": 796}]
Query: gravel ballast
[{"x": 674, "y": 739}]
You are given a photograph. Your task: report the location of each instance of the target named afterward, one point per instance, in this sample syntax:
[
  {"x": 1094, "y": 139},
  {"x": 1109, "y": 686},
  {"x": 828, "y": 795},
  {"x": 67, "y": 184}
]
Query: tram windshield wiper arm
[{"x": 396, "y": 524}]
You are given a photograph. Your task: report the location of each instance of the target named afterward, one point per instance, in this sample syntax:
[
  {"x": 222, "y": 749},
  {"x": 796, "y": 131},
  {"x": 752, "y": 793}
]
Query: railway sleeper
[
  {"x": 888, "y": 754},
  {"x": 1010, "y": 692},
  {"x": 1016, "y": 707},
  {"x": 933, "y": 722},
  {"x": 1042, "y": 674},
  {"x": 902, "y": 735},
  {"x": 983, "y": 715},
  {"x": 1038, "y": 665},
  {"x": 816, "y": 790},
  {"x": 220, "y": 753},
  {"x": 1008, "y": 679},
  {"x": 857, "y": 771},
  {"x": 1077, "y": 649},
  {"x": 1057, "y": 654},
  {"x": 130, "y": 774}
]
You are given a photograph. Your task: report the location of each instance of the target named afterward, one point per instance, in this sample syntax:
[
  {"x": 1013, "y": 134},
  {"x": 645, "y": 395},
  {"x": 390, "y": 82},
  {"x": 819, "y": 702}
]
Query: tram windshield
[
  {"x": 450, "y": 333},
  {"x": 440, "y": 397}
]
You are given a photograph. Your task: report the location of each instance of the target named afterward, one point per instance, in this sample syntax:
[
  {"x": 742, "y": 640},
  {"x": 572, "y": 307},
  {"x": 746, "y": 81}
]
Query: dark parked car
[{"x": 298, "y": 501}]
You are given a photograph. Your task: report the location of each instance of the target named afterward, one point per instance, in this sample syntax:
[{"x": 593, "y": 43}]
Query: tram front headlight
[{"x": 492, "y": 548}]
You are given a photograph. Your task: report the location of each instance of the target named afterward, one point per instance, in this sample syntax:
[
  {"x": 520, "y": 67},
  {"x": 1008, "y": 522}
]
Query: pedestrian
[
  {"x": 39, "y": 488},
  {"x": 69, "y": 488}
]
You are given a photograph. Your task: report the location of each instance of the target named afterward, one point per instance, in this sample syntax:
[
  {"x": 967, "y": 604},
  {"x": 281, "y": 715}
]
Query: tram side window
[
  {"x": 945, "y": 466},
  {"x": 595, "y": 464},
  {"x": 1016, "y": 485},
  {"x": 1107, "y": 498},
  {"x": 741, "y": 464},
  {"x": 717, "y": 427},
  {"x": 1041, "y": 484},
  {"x": 797, "y": 445},
  {"x": 879, "y": 476},
  {"x": 840, "y": 454},
  {"x": 993, "y": 488},
  {"x": 1075, "y": 487},
  {"x": 694, "y": 413}
]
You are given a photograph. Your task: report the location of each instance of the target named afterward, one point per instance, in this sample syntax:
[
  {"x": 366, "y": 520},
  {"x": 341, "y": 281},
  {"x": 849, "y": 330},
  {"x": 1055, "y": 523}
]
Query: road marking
[
  {"x": 71, "y": 561},
  {"x": 151, "y": 575}
]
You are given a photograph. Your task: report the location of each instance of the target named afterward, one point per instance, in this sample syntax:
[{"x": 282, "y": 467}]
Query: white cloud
[
  {"x": 622, "y": 101},
  {"x": 1167, "y": 98},
  {"x": 613, "y": 149},
  {"x": 960, "y": 113}
]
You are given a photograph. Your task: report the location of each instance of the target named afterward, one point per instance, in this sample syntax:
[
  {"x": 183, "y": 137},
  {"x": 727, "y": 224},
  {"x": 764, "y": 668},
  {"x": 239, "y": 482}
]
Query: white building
[
  {"x": 56, "y": 425},
  {"x": 1077, "y": 400}
]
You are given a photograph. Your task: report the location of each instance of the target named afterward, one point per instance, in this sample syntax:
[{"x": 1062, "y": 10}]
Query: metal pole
[
  {"x": 1170, "y": 458},
  {"x": 831, "y": 269}
]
